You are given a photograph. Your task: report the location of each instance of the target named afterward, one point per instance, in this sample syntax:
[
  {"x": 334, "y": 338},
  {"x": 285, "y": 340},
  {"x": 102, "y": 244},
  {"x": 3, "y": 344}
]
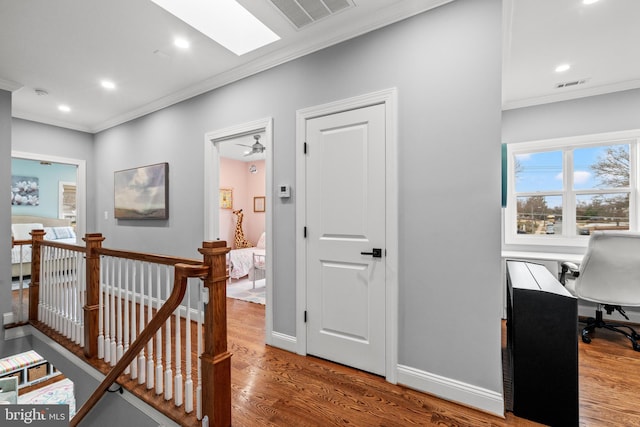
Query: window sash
[{"x": 570, "y": 236}]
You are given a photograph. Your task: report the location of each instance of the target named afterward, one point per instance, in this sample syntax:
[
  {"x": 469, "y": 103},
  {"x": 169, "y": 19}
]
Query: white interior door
[{"x": 345, "y": 178}]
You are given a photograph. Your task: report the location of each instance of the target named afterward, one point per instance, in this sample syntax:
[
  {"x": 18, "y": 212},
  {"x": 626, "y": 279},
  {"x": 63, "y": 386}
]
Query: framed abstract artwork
[{"x": 142, "y": 192}]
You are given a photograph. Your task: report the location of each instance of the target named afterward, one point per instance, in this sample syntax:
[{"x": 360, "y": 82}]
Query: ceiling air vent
[
  {"x": 571, "y": 83},
  {"x": 304, "y": 12}
]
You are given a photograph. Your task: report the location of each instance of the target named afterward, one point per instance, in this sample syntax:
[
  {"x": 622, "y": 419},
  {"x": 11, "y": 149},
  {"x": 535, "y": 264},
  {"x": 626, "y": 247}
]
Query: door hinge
[
  {"x": 305, "y": 148},
  {"x": 304, "y": 232},
  {"x": 305, "y": 316}
]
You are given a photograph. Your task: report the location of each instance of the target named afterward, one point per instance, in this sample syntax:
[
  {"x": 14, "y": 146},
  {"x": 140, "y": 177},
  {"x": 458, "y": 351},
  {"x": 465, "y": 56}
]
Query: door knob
[{"x": 376, "y": 253}]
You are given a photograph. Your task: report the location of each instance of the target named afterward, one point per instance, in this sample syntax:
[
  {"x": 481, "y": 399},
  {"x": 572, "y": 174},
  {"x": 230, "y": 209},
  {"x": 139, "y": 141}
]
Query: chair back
[{"x": 610, "y": 270}]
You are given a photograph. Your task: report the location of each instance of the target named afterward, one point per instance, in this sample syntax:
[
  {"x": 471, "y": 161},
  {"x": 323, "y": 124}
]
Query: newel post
[
  {"x": 93, "y": 241},
  {"x": 216, "y": 360},
  {"x": 37, "y": 236}
]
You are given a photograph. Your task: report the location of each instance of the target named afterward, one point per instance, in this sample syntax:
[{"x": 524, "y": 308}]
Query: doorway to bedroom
[
  {"x": 242, "y": 214},
  {"x": 46, "y": 192},
  {"x": 238, "y": 203}
]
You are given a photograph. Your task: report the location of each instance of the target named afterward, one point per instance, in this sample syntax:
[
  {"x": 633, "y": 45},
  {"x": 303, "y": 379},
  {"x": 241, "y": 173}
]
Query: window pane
[
  {"x": 601, "y": 167},
  {"x": 538, "y": 171},
  {"x": 602, "y": 212},
  {"x": 539, "y": 215}
]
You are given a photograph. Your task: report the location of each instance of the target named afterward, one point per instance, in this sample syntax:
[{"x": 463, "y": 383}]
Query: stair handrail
[{"x": 182, "y": 273}]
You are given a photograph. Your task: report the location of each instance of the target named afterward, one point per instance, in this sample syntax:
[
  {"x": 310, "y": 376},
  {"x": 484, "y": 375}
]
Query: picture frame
[
  {"x": 226, "y": 198},
  {"x": 25, "y": 190},
  {"x": 142, "y": 192},
  {"x": 258, "y": 204}
]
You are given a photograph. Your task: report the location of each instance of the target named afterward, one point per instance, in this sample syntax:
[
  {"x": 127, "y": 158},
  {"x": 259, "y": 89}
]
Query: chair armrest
[{"x": 568, "y": 267}]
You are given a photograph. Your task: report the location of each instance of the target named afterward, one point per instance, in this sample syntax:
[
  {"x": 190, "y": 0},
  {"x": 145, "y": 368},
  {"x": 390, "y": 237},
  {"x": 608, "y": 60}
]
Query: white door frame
[
  {"x": 212, "y": 202},
  {"x": 387, "y": 97},
  {"x": 81, "y": 184}
]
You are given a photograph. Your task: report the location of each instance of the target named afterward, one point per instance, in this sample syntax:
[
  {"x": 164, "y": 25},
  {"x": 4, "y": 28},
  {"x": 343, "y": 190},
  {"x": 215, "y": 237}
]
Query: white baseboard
[
  {"x": 449, "y": 389},
  {"x": 284, "y": 342}
]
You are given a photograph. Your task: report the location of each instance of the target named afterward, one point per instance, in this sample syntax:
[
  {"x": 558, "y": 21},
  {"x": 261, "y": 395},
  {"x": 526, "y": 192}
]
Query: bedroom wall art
[
  {"x": 142, "y": 192},
  {"x": 226, "y": 198},
  {"x": 25, "y": 191},
  {"x": 258, "y": 204}
]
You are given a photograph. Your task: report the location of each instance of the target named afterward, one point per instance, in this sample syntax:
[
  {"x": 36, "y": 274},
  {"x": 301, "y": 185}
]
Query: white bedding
[
  {"x": 26, "y": 251},
  {"x": 21, "y": 232},
  {"x": 241, "y": 261}
]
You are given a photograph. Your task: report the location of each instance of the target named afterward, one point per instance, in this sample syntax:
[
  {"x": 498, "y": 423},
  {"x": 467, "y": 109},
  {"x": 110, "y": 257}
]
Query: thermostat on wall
[{"x": 284, "y": 191}]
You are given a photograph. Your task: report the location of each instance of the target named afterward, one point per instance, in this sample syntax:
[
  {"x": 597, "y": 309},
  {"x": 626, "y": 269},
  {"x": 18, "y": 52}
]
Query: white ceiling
[{"x": 66, "y": 47}]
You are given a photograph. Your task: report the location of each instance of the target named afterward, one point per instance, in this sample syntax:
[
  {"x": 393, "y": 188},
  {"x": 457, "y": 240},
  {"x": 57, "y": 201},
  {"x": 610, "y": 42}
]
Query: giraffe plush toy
[{"x": 239, "y": 238}]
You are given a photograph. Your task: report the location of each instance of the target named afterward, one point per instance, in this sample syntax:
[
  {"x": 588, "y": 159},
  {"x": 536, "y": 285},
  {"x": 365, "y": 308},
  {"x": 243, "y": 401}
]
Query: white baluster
[
  {"x": 67, "y": 291},
  {"x": 119, "y": 346},
  {"x": 159, "y": 367},
  {"x": 201, "y": 295},
  {"x": 113, "y": 345},
  {"x": 178, "y": 378},
  {"x": 126, "y": 311},
  {"x": 107, "y": 310},
  {"x": 58, "y": 291},
  {"x": 134, "y": 269},
  {"x": 150, "y": 378},
  {"x": 42, "y": 293},
  {"x": 188, "y": 387},
  {"x": 82, "y": 280},
  {"x": 168, "y": 373},
  {"x": 100, "y": 310},
  {"x": 142, "y": 372}
]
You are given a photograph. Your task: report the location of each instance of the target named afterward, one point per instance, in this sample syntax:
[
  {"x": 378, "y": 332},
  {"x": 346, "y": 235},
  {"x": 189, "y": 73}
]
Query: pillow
[
  {"x": 261, "y": 241},
  {"x": 64, "y": 233},
  {"x": 50, "y": 235},
  {"x": 21, "y": 231}
]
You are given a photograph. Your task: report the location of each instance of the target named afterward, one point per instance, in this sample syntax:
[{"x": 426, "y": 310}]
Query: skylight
[{"x": 224, "y": 21}]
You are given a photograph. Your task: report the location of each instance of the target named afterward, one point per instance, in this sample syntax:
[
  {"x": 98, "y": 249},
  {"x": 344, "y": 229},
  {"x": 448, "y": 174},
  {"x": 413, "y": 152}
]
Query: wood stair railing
[
  {"x": 182, "y": 272},
  {"x": 215, "y": 359}
]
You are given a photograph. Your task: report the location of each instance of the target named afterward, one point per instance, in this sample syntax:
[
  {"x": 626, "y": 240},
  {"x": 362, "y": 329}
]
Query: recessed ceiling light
[
  {"x": 589, "y": 1},
  {"x": 64, "y": 108},
  {"x": 562, "y": 68},
  {"x": 182, "y": 43},
  {"x": 224, "y": 21},
  {"x": 108, "y": 84}
]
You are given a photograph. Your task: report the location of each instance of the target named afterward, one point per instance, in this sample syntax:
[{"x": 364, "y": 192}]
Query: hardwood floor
[{"x": 273, "y": 387}]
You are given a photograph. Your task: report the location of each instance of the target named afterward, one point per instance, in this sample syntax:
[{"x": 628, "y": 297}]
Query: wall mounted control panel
[{"x": 284, "y": 191}]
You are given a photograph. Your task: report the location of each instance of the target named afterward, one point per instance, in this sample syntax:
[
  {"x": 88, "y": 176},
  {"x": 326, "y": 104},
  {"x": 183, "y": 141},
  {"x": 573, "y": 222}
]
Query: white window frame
[{"x": 568, "y": 194}]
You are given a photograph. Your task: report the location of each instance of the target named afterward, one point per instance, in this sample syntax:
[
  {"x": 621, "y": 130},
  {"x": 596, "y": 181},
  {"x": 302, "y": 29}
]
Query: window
[{"x": 562, "y": 190}]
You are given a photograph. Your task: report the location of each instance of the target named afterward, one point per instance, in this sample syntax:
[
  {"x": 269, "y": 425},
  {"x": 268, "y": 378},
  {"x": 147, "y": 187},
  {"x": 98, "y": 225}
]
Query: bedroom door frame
[
  {"x": 388, "y": 98},
  {"x": 212, "y": 202},
  {"x": 81, "y": 183}
]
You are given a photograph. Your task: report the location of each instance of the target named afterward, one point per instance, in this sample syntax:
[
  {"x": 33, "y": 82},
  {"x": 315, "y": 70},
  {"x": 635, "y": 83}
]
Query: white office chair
[{"x": 609, "y": 276}]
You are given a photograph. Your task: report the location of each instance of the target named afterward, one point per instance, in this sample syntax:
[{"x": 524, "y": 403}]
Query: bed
[
  {"x": 242, "y": 263},
  {"x": 56, "y": 229}
]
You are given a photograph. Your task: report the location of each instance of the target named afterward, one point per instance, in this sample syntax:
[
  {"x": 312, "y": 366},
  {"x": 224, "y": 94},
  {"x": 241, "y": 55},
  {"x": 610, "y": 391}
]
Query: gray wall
[
  {"x": 595, "y": 114},
  {"x": 5, "y": 208},
  {"x": 446, "y": 64},
  {"x": 38, "y": 138}
]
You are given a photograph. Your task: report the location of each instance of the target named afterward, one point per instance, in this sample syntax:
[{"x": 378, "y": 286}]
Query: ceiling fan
[{"x": 256, "y": 148}]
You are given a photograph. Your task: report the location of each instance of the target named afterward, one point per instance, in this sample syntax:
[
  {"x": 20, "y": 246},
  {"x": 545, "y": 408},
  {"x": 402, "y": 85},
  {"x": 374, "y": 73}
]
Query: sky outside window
[{"x": 543, "y": 171}]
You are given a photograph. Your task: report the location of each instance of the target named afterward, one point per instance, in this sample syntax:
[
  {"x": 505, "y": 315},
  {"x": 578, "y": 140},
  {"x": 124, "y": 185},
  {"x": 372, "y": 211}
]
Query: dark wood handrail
[
  {"x": 182, "y": 272},
  {"x": 140, "y": 256}
]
